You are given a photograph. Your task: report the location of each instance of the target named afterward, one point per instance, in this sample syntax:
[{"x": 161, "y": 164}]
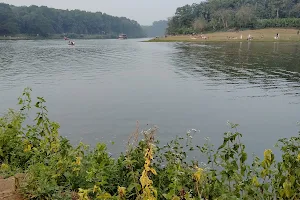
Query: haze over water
[{"x": 98, "y": 89}]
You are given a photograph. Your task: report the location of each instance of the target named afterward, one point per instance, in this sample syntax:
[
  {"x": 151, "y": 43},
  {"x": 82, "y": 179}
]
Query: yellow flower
[
  {"x": 83, "y": 194},
  {"x": 268, "y": 154},
  {"x": 95, "y": 188},
  {"x": 78, "y": 160},
  {"x": 255, "y": 181},
  {"x": 121, "y": 191},
  {"x": 28, "y": 148},
  {"x": 4, "y": 167},
  {"x": 198, "y": 174},
  {"x": 268, "y": 158}
]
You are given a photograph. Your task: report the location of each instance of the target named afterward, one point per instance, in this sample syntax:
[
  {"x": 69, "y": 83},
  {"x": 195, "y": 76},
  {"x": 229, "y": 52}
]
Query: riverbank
[{"x": 261, "y": 35}]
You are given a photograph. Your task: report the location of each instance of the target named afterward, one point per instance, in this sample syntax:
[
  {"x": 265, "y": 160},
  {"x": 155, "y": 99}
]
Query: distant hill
[
  {"x": 46, "y": 21},
  {"x": 158, "y": 28}
]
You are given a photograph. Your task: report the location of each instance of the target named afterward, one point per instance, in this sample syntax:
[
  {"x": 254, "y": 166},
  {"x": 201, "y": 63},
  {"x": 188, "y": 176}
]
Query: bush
[
  {"x": 146, "y": 170},
  {"x": 280, "y": 23}
]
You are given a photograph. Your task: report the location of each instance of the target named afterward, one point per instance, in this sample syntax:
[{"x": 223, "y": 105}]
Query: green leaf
[
  {"x": 20, "y": 101},
  {"x": 104, "y": 196},
  {"x": 41, "y": 99},
  {"x": 40, "y": 120},
  {"x": 244, "y": 157},
  {"x": 130, "y": 187},
  {"x": 292, "y": 179}
]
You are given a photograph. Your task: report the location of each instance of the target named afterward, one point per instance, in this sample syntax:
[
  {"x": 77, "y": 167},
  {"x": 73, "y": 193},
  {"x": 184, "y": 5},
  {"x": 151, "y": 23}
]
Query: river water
[{"x": 98, "y": 89}]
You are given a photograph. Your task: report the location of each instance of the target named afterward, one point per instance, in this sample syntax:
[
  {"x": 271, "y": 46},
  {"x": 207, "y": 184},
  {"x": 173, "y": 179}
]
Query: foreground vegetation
[
  {"x": 146, "y": 170},
  {"x": 261, "y": 35},
  {"x": 220, "y": 15},
  {"x": 46, "y": 22}
]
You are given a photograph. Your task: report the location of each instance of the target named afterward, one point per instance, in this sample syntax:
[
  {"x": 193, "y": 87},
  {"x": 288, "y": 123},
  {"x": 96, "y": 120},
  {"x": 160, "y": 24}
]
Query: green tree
[
  {"x": 245, "y": 17},
  {"x": 295, "y": 11},
  {"x": 226, "y": 16},
  {"x": 8, "y": 22},
  {"x": 46, "y": 21},
  {"x": 199, "y": 25},
  {"x": 229, "y": 14},
  {"x": 276, "y": 6}
]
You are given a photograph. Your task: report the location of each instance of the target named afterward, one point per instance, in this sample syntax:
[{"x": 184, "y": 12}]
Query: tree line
[
  {"x": 214, "y": 15},
  {"x": 158, "y": 28},
  {"x": 46, "y": 21}
]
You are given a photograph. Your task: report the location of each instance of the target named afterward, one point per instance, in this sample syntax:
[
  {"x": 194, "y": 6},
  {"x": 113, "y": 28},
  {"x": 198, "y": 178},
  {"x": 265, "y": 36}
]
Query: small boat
[
  {"x": 65, "y": 38},
  {"x": 71, "y": 43},
  {"x": 122, "y": 36}
]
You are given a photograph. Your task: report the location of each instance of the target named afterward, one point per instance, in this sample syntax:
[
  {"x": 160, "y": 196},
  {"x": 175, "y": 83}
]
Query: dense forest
[
  {"x": 46, "y": 21},
  {"x": 214, "y": 15},
  {"x": 158, "y": 28}
]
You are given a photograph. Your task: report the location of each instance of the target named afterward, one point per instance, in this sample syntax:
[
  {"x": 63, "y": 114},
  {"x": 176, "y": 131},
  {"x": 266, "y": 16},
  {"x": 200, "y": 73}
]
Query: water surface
[{"x": 98, "y": 89}]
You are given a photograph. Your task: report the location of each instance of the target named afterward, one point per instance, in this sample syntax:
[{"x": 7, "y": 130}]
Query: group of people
[{"x": 251, "y": 38}]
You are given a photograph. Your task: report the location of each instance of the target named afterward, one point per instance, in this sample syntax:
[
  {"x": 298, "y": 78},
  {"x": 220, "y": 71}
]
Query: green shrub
[{"x": 278, "y": 23}]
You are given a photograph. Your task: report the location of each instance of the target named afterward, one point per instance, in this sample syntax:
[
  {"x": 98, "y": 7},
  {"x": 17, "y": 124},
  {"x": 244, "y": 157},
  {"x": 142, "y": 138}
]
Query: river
[{"x": 98, "y": 89}]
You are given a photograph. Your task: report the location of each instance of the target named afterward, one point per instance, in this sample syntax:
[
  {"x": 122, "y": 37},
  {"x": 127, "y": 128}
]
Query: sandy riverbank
[{"x": 263, "y": 35}]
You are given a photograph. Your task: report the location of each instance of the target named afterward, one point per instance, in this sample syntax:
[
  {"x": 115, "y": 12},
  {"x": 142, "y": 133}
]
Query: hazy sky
[{"x": 143, "y": 11}]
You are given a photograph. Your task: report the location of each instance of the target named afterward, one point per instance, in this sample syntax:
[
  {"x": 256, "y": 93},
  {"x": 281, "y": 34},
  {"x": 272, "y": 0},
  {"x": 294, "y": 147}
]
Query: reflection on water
[
  {"x": 272, "y": 67},
  {"x": 99, "y": 88}
]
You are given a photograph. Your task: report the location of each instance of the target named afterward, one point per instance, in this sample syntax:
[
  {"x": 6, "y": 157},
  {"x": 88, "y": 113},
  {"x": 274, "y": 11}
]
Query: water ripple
[
  {"x": 243, "y": 65},
  {"x": 99, "y": 88}
]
